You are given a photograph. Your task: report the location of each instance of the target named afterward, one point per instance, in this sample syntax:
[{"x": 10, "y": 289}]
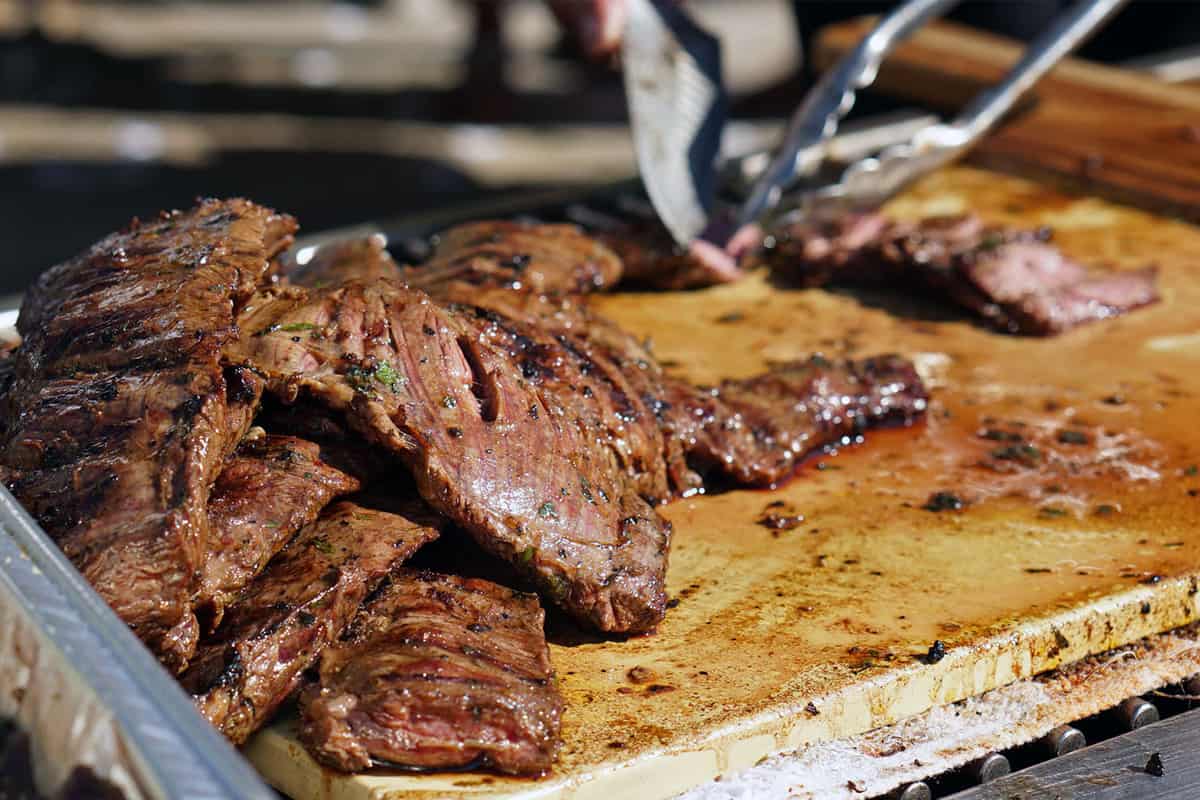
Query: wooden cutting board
[{"x": 785, "y": 637}]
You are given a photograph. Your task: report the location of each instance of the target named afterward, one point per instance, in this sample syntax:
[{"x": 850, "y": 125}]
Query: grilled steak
[
  {"x": 653, "y": 260},
  {"x": 1014, "y": 280},
  {"x": 120, "y": 411},
  {"x": 756, "y": 431},
  {"x": 436, "y": 672},
  {"x": 355, "y": 259},
  {"x": 302, "y": 602},
  {"x": 340, "y": 447},
  {"x": 515, "y": 466},
  {"x": 271, "y": 488},
  {"x": 558, "y": 259},
  {"x": 667, "y": 434}
]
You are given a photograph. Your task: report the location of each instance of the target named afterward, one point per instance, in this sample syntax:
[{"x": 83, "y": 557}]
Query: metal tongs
[{"x": 789, "y": 187}]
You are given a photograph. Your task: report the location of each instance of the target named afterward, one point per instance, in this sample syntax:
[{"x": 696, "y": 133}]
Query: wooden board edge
[{"x": 1014, "y": 654}]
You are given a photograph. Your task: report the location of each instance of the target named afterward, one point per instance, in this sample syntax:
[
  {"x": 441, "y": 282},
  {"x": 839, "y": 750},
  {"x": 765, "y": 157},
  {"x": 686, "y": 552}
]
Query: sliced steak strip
[
  {"x": 1012, "y": 279},
  {"x": 243, "y": 391},
  {"x": 653, "y": 260},
  {"x": 340, "y": 447},
  {"x": 120, "y": 409},
  {"x": 272, "y": 487},
  {"x": 437, "y": 672},
  {"x": 559, "y": 259},
  {"x": 516, "y": 466},
  {"x": 303, "y": 601},
  {"x": 756, "y": 431}
]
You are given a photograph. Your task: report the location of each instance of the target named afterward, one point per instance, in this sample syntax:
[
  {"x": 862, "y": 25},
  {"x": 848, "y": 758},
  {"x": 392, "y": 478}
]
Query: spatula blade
[{"x": 677, "y": 109}]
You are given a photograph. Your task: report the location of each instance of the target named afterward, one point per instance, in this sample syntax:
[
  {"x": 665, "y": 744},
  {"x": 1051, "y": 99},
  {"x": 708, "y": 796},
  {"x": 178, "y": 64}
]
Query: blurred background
[{"x": 339, "y": 112}]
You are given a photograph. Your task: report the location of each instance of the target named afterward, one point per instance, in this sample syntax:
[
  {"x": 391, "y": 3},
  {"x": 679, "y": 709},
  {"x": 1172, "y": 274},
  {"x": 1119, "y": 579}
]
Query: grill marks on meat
[
  {"x": 556, "y": 259},
  {"x": 437, "y": 672},
  {"x": 120, "y": 409},
  {"x": 271, "y": 488},
  {"x": 1014, "y": 280},
  {"x": 756, "y": 431},
  {"x": 514, "y": 466},
  {"x": 298, "y": 605}
]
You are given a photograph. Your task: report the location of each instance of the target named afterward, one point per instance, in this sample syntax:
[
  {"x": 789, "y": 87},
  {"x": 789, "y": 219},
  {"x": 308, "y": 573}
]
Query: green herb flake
[
  {"x": 322, "y": 544},
  {"x": 1192, "y": 470},
  {"x": 389, "y": 377},
  {"x": 547, "y": 511},
  {"x": 526, "y": 556},
  {"x": 359, "y": 380},
  {"x": 1105, "y": 510},
  {"x": 449, "y": 402},
  {"x": 556, "y": 587},
  {"x": 1051, "y": 511},
  {"x": 293, "y": 327},
  {"x": 824, "y": 467}
]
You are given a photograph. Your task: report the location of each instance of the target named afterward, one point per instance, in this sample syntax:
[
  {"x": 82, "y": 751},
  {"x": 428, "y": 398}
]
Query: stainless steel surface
[
  {"x": 676, "y": 100},
  {"x": 1115, "y": 769},
  {"x": 854, "y": 140},
  {"x": 1062, "y": 740},
  {"x": 166, "y": 749},
  {"x": 1135, "y": 713},
  {"x": 989, "y": 768},
  {"x": 817, "y": 119},
  {"x": 915, "y": 791}
]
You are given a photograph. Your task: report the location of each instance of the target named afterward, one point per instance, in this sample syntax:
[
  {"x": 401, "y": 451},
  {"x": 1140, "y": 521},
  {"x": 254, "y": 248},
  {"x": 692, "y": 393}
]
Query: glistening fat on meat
[
  {"x": 297, "y": 606},
  {"x": 120, "y": 412},
  {"x": 437, "y": 672}
]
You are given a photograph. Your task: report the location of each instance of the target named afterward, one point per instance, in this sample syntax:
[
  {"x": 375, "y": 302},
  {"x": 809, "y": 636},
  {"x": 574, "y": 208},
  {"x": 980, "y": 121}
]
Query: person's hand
[{"x": 596, "y": 24}]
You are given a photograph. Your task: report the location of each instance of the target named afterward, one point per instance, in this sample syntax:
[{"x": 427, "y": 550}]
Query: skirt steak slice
[
  {"x": 272, "y": 487},
  {"x": 558, "y": 259},
  {"x": 437, "y": 672},
  {"x": 301, "y": 603},
  {"x": 119, "y": 410},
  {"x": 1014, "y": 280}
]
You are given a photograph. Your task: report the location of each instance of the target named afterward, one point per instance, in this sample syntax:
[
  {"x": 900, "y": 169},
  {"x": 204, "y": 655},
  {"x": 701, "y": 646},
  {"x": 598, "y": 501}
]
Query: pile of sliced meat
[{"x": 240, "y": 453}]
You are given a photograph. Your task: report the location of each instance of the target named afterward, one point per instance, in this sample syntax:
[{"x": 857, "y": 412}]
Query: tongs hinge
[{"x": 869, "y": 182}]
